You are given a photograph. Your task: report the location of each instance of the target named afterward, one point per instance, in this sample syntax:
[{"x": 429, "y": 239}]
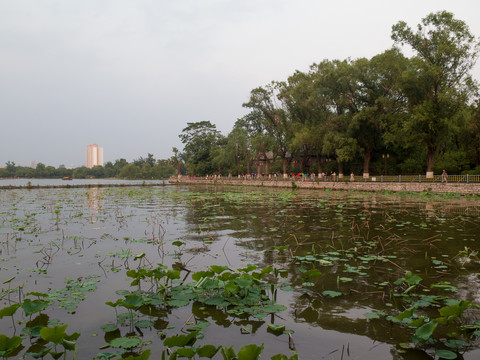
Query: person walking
[{"x": 444, "y": 176}]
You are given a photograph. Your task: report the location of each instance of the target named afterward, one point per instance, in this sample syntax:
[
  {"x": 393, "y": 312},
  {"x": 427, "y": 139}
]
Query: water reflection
[
  {"x": 94, "y": 202},
  {"x": 420, "y": 236},
  {"x": 361, "y": 244}
]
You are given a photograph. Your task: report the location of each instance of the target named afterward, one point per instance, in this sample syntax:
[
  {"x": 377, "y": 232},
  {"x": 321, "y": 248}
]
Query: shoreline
[
  {"x": 76, "y": 186},
  {"x": 436, "y": 188}
]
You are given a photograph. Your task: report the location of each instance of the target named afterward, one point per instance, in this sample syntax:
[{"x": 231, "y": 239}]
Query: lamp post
[{"x": 385, "y": 156}]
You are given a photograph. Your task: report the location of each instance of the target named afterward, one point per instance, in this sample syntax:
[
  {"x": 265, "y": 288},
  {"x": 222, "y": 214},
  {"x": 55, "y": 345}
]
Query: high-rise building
[{"x": 94, "y": 156}]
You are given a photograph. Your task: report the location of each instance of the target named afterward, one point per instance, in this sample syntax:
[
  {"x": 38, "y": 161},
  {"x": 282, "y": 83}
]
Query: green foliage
[
  {"x": 250, "y": 352},
  {"x": 346, "y": 112},
  {"x": 449, "y": 315},
  {"x": 8, "y": 345},
  {"x": 145, "y": 355},
  {"x": 284, "y": 357},
  {"x": 424, "y": 332},
  {"x": 207, "y": 351},
  {"x": 445, "y": 354},
  {"x": 125, "y": 342},
  {"x": 331, "y": 293},
  {"x": 439, "y": 84},
  {"x": 55, "y": 334},
  {"x": 32, "y": 306},
  {"x": 9, "y": 310},
  {"x": 202, "y": 141},
  {"x": 142, "y": 168}
]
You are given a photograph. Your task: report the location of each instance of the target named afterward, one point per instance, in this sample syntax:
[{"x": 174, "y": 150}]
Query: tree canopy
[{"x": 349, "y": 115}]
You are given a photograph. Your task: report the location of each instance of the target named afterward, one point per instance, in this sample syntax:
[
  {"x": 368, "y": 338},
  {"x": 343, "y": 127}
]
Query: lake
[
  {"x": 353, "y": 275},
  {"x": 74, "y": 182}
]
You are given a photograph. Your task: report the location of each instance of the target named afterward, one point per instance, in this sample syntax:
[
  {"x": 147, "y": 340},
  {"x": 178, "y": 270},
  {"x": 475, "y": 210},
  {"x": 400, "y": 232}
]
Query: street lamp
[{"x": 385, "y": 156}]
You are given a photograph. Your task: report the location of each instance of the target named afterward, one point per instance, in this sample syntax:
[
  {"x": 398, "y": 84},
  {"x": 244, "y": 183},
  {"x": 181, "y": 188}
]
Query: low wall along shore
[{"x": 458, "y": 188}]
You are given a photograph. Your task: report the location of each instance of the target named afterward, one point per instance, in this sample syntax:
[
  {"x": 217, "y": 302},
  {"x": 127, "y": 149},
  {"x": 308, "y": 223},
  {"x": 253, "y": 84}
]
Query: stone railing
[{"x": 358, "y": 184}]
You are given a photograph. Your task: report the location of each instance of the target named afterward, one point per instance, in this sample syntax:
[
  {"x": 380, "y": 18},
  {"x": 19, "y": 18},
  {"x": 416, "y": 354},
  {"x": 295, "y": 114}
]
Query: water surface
[{"x": 360, "y": 242}]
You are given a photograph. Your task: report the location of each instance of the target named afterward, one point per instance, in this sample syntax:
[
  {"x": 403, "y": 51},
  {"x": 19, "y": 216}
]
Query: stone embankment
[{"x": 433, "y": 187}]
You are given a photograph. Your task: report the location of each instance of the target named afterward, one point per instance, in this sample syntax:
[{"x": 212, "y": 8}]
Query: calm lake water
[
  {"x": 362, "y": 243},
  {"x": 76, "y": 182}
]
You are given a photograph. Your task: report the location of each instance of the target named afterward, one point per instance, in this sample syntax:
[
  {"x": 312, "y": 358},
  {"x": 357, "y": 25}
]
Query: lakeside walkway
[{"x": 341, "y": 184}]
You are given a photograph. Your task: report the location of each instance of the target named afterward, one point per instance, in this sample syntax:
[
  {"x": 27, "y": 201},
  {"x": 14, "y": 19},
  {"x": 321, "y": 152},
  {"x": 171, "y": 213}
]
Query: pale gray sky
[{"x": 129, "y": 74}]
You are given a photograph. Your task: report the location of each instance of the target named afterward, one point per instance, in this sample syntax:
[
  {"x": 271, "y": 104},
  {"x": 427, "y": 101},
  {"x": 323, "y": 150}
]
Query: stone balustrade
[{"x": 458, "y": 188}]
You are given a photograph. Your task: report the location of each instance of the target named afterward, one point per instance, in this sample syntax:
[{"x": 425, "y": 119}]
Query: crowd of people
[{"x": 332, "y": 176}]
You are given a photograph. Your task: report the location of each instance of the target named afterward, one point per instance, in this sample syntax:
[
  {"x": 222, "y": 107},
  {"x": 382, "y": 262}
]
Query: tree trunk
[
  {"x": 366, "y": 162},
  {"x": 340, "y": 169},
  {"x": 285, "y": 164},
  {"x": 320, "y": 166},
  {"x": 305, "y": 162},
  {"x": 430, "y": 161}
]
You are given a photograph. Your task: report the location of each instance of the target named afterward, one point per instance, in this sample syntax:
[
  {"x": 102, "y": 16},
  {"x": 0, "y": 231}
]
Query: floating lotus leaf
[
  {"x": 7, "y": 345},
  {"x": 125, "y": 342},
  {"x": 446, "y": 354},
  {"x": 331, "y": 293},
  {"x": 143, "y": 324},
  {"x": 109, "y": 327}
]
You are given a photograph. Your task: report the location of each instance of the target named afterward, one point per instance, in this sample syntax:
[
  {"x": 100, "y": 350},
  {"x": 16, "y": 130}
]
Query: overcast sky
[{"x": 129, "y": 75}]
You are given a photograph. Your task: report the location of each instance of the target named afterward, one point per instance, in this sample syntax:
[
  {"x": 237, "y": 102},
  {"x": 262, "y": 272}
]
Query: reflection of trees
[
  {"x": 411, "y": 231},
  {"x": 345, "y": 316}
]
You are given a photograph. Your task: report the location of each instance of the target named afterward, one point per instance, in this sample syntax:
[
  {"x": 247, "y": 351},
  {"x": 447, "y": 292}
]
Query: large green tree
[
  {"x": 200, "y": 139},
  {"x": 378, "y": 101},
  {"x": 335, "y": 81},
  {"x": 445, "y": 52},
  {"x": 250, "y": 140},
  {"x": 274, "y": 120},
  {"x": 307, "y": 110}
]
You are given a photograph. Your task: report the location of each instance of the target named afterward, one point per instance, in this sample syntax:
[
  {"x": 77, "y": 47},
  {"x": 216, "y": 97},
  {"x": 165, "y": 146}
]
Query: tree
[
  {"x": 441, "y": 84},
  {"x": 129, "y": 171},
  {"x": 273, "y": 119},
  {"x": 109, "y": 170},
  {"x": 379, "y": 101},
  {"x": 200, "y": 138},
  {"x": 163, "y": 169},
  {"x": 176, "y": 161},
  {"x": 25, "y": 172},
  {"x": 150, "y": 160},
  {"x": 242, "y": 139},
  {"x": 49, "y": 172},
  {"x": 40, "y": 170},
  {"x": 119, "y": 165},
  {"x": 335, "y": 81},
  {"x": 79, "y": 173},
  {"x": 308, "y": 110},
  {"x": 470, "y": 134},
  {"x": 10, "y": 168}
]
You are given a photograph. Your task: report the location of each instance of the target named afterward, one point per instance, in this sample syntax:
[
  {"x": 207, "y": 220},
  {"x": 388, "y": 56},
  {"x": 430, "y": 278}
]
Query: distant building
[
  {"x": 94, "y": 156},
  {"x": 33, "y": 164}
]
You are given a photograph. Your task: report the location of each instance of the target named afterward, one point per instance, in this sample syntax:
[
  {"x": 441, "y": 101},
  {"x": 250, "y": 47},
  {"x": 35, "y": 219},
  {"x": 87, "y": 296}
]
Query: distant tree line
[
  {"x": 389, "y": 112},
  {"x": 141, "y": 168}
]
